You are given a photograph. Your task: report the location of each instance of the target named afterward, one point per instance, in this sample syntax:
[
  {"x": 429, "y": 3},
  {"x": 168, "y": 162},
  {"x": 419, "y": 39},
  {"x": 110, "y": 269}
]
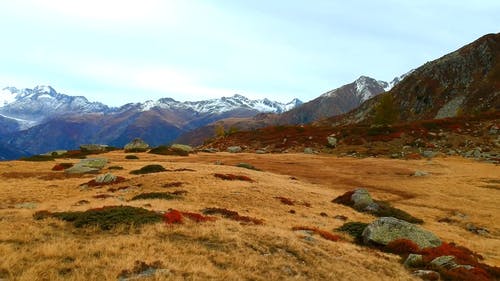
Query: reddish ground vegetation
[
  {"x": 285, "y": 200},
  {"x": 102, "y": 196},
  {"x": 323, "y": 233},
  {"x": 233, "y": 215},
  {"x": 344, "y": 199},
  {"x": 402, "y": 247},
  {"x": 461, "y": 254},
  {"x": 62, "y": 166},
  {"x": 172, "y": 184},
  {"x": 112, "y": 189},
  {"x": 232, "y": 177},
  {"x": 176, "y": 217},
  {"x": 173, "y": 217}
]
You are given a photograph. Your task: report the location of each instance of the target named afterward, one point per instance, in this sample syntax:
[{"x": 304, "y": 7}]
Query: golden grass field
[{"x": 51, "y": 249}]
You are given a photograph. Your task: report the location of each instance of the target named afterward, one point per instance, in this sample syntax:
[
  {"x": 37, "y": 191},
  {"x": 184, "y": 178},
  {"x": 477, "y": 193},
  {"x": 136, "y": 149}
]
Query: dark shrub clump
[
  {"x": 233, "y": 215},
  {"x": 154, "y": 168},
  {"x": 157, "y": 195},
  {"x": 231, "y": 177},
  {"x": 106, "y": 217},
  {"x": 168, "y": 150},
  {"x": 38, "y": 158},
  {"x": 131, "y": 157},
  {"x": 386, "y": 210},
  {"x": 355, "y": 229}
]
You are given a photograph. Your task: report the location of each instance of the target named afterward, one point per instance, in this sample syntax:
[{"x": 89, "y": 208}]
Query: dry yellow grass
[{"x": 54, "y": 250}]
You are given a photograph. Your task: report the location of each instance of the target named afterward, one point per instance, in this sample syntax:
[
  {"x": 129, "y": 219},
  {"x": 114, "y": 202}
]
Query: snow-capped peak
[{"x": 7, "y": 95}]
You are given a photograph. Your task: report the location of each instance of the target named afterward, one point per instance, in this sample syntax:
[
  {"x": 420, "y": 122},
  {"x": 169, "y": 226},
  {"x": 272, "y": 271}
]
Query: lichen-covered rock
[
  {"x": 308, "y": 150},
  {"x": 93, "y": 147},
  {"x": 414, "y": 260},
  {"x": 332, "y": 141},
  {"x": 137, "y": 145},
  {"x": 106, "y": 178},
  {"x": 387, "y": 229},
  {"x": 234, "y": 149},
  {"x": 428, "y": 275},
  {"x": 362, "y": 199},
  {"x": 183, "y": 147},
  {"x": 86, "y": 166}
]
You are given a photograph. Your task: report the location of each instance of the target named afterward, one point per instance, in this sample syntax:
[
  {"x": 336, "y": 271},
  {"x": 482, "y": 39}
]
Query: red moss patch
[
  {"x": 62, "y": 166},
  {"x": 176, "y": 217},
  {"x": 172, "y": 184},
  {"x": 402, "y": 247},
  {"x": 102, "y": 196},
  {"x": 173, "y": 217},
  {"x": 231, "y": 177},
  {"x": 233, "y": 215},
  {"x": 323, "y": 233},
  {"x": 344, "y": 199}
]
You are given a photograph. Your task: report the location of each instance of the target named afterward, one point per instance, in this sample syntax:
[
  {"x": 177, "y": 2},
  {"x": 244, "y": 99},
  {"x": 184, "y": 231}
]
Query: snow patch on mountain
[
  {"x": 220, "y": 105},
  {"x": 7, "y": 96}
]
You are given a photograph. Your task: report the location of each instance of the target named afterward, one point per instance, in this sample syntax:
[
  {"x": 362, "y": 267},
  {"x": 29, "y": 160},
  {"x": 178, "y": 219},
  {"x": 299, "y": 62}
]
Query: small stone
[
  {"x": 260, "y": 151},
  {"x": 420, "y": 174},
  {"x": 234, "y": 149},
  {"x": 414, "y": 260},
  {"x": 308, "y": 150},
  {"x": 428, "y": 275},
  {"x": 332, "y": 141},
  {"x": 106, "y": 178},
  {"x": 429, "y": 154}
]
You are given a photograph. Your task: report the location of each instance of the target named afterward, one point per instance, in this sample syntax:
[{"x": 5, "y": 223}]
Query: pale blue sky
[{"x": 119, "y": 51}]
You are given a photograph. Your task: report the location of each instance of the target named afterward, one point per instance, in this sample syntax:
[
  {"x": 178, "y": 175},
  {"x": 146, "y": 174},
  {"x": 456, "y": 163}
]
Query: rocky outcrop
[
  {"x": 88, "y": 166},
  {"x": 137, "y": 145}
]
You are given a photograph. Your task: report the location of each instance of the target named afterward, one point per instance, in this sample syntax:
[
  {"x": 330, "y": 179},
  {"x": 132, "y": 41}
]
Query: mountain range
[{"x": 464, "y": 82}]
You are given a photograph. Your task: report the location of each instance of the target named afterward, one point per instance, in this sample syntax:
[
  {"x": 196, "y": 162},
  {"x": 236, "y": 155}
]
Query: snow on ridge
[{"x": 7, "y": 96}]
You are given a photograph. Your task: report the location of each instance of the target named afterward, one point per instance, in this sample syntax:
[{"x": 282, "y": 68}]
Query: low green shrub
[
  {"x": 106, "y": 217},
  {"x": 131, "y": 157},
  {"x": 355, "y": 229},
  {"x": 157, "y": 195},
  {"x": 153, "y": 168}
]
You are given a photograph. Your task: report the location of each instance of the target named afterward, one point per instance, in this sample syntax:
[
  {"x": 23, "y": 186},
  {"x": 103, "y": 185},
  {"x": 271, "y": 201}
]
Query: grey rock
[
  {"x": 234, "y": 149},
  {"x": 361, "y": 198},
  {"x": 414, "y": 260},
  {"x": 332, "y": 141},
  {"x": 86, "y": 166},
  {"x": 308, "y": 150},
  {"x": 444, "y": 262},
  {"x": 477, "y": 229},
  {"x": 427, "y": 274},
  {"x": 137, "y": 145},
  {"x": 384, "y": 230},
  {"x": 210, "y": 150},
  {"x": 429, "y": 154},
  {"x": 420, "y": 174},
  {"x": 493, "y": 130},
  {"x": 106, "y": 178},
  {"x": 260, "y": 151},
  {"x": 93, "y": 147},
  {"x": 477, "y": 152},
  {"x": 183, "y": 147}
]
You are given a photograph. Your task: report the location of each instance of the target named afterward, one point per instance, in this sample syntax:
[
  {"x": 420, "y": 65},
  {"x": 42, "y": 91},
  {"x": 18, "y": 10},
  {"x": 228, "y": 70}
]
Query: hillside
[
  {"x": 464, "y": 82},
  {"x": 455, "y": 194}
]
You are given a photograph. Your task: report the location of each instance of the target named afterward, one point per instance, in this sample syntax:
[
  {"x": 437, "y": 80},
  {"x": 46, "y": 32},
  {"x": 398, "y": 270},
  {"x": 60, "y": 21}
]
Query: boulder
[
  {"x": 234, "y": 149},
  {"x": 106, "y": 178},
  {"x": 332, "y": 141},
  {"x": 86, "y": 166},
  {"x": 384, "y": 230},
  {"x": 361, "y": 199},
  {"x": 137, "y": 145},
  {"x": 260, "y": 151},
  {"x": 447, "y": 263},
  {"x": 93, "y": 147},
  {"x": 183, "y": 147}
]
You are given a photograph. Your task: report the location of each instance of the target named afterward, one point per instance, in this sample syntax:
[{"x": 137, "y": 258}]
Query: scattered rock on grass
[
  {"x": 143, "y": 270},
  {"x": 90, "y": 165},
  {"x": 420, "y": 174},
  {"x": 137, "y": 145},
  {"x": 387, "y": 229},
  {"x": 427, "y": 275},
  {"x": 234, "y": 149}
]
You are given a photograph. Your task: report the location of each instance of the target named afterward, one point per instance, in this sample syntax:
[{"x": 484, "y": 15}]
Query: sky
[{"x": 120, "y": 51}]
